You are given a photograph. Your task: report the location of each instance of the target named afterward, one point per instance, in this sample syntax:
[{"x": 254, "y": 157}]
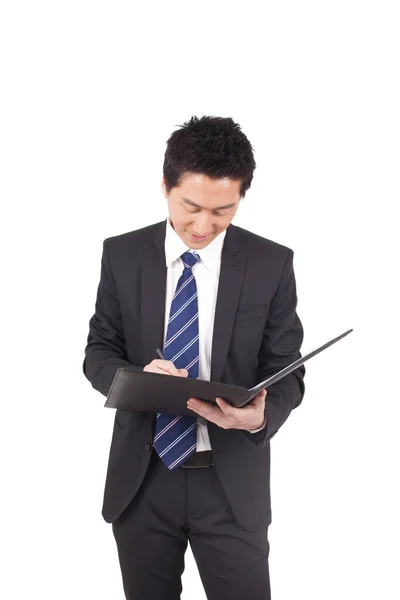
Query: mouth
[{"x": 198, "y": 238}]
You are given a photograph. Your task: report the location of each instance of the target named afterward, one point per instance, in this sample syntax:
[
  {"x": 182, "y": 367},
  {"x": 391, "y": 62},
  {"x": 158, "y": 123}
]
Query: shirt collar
[{"x": 175, "y": 247}]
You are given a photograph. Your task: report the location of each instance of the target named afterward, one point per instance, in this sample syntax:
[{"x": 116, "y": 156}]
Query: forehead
[{"x": 209, "y": 192}]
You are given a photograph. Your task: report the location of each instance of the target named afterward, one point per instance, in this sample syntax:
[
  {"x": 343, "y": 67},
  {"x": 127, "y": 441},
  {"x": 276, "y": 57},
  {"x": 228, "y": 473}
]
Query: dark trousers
[{"x": 172, "y": 507}]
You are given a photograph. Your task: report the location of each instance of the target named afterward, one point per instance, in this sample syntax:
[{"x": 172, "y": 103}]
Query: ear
[{"x": 164, "y": 187}]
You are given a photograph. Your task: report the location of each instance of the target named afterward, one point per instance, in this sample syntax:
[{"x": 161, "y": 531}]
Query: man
[{"x": 221, "y": 303}]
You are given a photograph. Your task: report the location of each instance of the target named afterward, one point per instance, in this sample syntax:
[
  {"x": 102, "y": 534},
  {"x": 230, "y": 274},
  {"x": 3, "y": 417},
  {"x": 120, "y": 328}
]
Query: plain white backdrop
[{"x": 90, "y": 92}]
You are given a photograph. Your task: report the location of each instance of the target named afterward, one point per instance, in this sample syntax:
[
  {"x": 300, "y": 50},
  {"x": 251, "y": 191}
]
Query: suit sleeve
[
  {"x": 282, "y": 339},
  {"x": 105, "y": 352}
]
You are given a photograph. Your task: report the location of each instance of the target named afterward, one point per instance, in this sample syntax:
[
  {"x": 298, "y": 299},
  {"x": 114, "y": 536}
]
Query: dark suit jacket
[{"x": 256, "y": 333}]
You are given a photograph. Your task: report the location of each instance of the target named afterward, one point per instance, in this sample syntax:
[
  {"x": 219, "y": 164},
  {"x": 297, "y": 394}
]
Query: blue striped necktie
[{"x": 175, "y": 436}]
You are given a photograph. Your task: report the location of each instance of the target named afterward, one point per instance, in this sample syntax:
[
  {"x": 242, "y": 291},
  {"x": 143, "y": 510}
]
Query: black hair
[{"x": 212, "y": 146}]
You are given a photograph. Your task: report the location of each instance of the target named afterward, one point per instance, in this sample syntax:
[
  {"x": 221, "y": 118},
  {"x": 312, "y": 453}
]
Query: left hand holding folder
[{"x": 224, "y": 415}]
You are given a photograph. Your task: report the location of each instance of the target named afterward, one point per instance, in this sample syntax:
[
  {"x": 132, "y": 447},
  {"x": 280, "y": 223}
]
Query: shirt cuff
[{"x": 257, "y": 430}]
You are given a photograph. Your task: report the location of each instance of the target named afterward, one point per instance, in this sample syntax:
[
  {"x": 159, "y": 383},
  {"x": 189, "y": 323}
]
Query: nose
[{"x": 202, "y": 224}]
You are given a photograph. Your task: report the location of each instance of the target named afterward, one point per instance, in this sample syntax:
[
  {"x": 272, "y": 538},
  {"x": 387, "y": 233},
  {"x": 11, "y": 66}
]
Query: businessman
[{"x": 220, "y": 302}]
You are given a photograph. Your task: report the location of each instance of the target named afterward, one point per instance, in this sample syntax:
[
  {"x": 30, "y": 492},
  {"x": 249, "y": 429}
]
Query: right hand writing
[{"x": 165, "y": 367}]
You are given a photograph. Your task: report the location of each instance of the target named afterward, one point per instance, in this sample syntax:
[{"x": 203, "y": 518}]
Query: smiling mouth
[{"x": 200, "y": 237}]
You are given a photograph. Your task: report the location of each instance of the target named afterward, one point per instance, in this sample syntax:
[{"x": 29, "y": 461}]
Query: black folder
[{"x": 153, "y": 392}]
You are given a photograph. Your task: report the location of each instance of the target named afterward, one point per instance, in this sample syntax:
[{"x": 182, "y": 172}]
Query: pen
[{"x": 160, "y": 354}]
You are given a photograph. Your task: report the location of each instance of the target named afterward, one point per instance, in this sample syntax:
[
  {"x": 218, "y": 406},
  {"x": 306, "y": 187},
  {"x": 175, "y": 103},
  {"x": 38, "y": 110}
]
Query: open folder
[{"x": 152, "y": 392}]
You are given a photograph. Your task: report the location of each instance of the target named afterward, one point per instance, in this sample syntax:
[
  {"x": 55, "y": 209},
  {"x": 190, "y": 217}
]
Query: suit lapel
[
  {"x": 233, "y": 264},
  {"x": 154, "y": 274}
]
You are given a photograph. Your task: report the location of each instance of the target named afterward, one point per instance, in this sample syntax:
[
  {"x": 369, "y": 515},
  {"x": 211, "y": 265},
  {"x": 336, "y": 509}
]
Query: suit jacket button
[{"x": 148, "y": 446}]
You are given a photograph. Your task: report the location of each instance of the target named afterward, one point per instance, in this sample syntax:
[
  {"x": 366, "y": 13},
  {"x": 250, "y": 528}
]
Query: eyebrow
[{"x": 188, "y": 201}]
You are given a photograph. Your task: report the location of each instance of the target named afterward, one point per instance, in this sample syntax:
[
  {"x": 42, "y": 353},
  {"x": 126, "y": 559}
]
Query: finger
[
  {"x": 256, "y": 402},
  {"x": 205, "y": 409},
  {"x": 199, "y": 404},
  {"x": 183, "y": 373},
  {"x": 169, "y": 367},
  {"x": 258, "y": 398},
  {"x": 236, "y": 417},
  {"x": 226, "y": 408},
  {"x": 155, "y": 369},
  {"x": 164, "y": 367}
]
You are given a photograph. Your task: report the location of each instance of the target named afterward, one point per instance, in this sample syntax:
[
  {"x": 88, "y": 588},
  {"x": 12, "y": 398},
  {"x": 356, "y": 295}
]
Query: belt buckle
[{"x": 210, "y": 462}]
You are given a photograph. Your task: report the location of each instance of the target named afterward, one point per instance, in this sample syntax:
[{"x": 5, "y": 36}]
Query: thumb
[
  {"x": 183, "y": 372},
  {"x": 261, "y": 396}
]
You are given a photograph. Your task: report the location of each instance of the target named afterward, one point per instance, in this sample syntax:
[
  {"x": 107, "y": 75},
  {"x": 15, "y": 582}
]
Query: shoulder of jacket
[
  {"x": 253, "y": 241},
  {"x": 139, "y": 237}
]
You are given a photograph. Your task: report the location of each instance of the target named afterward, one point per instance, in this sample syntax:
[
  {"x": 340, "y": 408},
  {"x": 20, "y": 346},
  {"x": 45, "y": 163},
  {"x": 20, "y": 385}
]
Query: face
[{"x": 200, "y": 208}]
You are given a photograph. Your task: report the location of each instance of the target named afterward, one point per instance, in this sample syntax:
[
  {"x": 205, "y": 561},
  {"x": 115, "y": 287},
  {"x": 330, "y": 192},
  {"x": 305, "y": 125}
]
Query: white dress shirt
[{"x": 206, "y": 273}]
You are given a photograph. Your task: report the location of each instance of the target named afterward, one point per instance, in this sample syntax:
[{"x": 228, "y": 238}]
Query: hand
[
  {"x": 165, "y": 367},
  {"x": 226, "y": 416}
]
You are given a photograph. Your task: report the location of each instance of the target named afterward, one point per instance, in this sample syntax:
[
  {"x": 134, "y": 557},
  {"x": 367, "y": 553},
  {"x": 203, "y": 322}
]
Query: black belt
[{"x": 199, "y": 460}]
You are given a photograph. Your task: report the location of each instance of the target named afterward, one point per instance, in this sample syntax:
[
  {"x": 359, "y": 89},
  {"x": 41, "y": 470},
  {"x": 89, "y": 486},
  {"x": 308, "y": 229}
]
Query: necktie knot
[{"x": 189, "y": 259}]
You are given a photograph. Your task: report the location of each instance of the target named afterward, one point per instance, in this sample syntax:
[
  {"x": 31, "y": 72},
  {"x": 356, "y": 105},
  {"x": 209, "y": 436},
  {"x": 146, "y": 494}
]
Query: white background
[{"x": 90, "y": 92}]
